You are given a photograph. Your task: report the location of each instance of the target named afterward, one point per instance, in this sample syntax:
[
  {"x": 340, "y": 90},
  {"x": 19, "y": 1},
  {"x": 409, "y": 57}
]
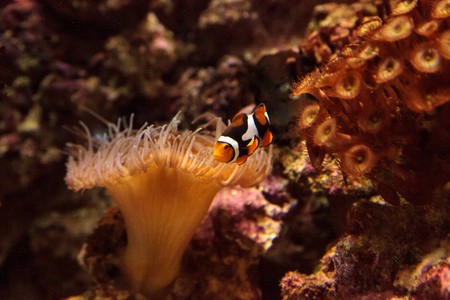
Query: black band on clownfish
[{"x": 244, "y": 136}]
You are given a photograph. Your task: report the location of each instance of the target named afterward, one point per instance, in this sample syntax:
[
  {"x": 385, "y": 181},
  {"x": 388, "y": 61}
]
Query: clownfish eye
[{"x": 225, "y": 147}]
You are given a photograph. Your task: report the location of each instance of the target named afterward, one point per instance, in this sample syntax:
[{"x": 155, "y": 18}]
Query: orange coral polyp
[
  {"x": 397, "y": 28},
  {"x": 369, "y": 52},
  {"x": 308, "y": 115},
  {"x": 418, "y": 101},
  {"x": 428, "y": 28},
  {"x": 444, "y": 44},
  {"x": 348, "y": 85},
  {"x": 369, "y": 26},
  {"x": 163, "y": 181},
  {"x": 388, "y": 69},
  {"x": 402, "y": 58},
  {"x": 400, "y": 7},
  {"x": 426, "y": 58},
  {"x": 325, "y": 132},
  {"x": 441, "y": 9},
  {"x": 358, "y": 160},
  {"x": 327, "y": 79}
]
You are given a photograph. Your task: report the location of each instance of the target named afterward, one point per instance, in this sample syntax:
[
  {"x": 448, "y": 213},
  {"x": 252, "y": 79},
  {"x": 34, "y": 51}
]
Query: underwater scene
[{"x": 224, "y": 149}]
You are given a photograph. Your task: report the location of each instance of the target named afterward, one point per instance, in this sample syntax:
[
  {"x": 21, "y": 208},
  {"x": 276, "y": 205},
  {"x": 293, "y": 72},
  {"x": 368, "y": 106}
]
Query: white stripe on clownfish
[{"x": 251, "y": 128}]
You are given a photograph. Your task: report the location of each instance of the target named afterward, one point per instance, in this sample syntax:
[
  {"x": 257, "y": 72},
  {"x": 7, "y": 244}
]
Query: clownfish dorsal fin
[
  {"x": 253, "y": 145},
  {"x": 241, "y": 159},
  {"x": 267, "y": 139},
  {"x": 238, "y": 120},
  {"x": 260, "y": 114}
]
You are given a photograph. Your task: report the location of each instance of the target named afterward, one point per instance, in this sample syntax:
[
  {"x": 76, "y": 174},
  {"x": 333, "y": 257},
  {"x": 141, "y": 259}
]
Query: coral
[
  {"x": 223, "y": 254},
  {"x": 239, "y": 228},
  {"x": 121, "y": 69},
  {"x": 430, "y": 278},
  {"x": 332, "y": 27},
  {"x": 329, "y": 180},
  {"x": 321, "y": 285},
  {"x": 103, "y": 245},
  {"x": 224, "y": 12},
  {"x": 29, "y": 54},
  {"x": 319, "y": 216},
  {"x": 384, "y": 104},
  {"x": 214, "y": 90},
  {"x": 388, "y": 252},
  {"x": 273, "y": 74}
]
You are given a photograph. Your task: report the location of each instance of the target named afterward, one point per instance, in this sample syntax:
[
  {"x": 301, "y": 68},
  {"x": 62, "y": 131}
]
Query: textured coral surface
[{"x": 388, "y": 252}]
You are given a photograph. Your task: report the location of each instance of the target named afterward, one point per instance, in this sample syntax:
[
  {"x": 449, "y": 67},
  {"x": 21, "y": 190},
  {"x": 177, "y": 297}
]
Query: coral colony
[{"x": 380, "y": 105}]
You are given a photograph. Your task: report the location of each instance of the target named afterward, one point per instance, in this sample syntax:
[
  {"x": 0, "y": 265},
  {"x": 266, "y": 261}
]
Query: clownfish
[{"x": 245, "y": 134}]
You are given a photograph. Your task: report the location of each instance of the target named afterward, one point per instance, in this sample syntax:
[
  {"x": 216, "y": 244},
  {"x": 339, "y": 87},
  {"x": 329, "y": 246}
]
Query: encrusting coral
[
  {"x": 163, "y": 181},
  {"x": 382, "y": 105},
  {"x": 388, "y": 253}
]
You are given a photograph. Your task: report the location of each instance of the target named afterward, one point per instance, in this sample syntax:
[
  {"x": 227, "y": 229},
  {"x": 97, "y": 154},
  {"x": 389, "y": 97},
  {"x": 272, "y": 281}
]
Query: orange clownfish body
[{"x": 245, "y": 134}]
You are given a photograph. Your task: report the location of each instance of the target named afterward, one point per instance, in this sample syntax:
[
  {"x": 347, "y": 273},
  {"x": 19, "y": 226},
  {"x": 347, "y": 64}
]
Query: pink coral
[{"x": 387, "y": 251}]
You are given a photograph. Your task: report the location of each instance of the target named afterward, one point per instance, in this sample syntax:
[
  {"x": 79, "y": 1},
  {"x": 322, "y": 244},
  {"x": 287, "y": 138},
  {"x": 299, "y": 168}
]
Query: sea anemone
[
  {"x": 358, "y": 160},
  {"x": 427, "y": 29},
  {"x": 163, "y": 181}
]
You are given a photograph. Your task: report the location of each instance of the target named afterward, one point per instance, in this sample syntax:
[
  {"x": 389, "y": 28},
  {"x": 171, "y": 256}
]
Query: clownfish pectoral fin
[
  {"x": 260, "y": 114},
  {"x": 253, "y": 145},
  {"x": 267, "y": 139},
  {"x": 241, "y": 159},
  {"x": 238, "y": 120}
]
